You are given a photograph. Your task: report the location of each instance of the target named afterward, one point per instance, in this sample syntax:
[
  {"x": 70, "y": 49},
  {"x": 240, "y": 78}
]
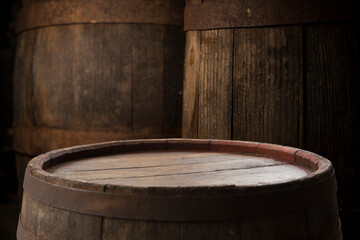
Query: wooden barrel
[
  {"x": 277, "y": 71},
  {"x": 179, "y": 189},
  {"x": 90, "y": 70}
]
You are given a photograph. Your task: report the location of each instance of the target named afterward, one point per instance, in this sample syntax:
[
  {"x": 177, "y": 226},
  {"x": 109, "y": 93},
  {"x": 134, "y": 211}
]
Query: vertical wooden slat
[
  {"x": 215, "y": 85},
  {"x": 147, "y": 77},
  {"x": 174, "y": 44},
  {"x": 191, "y": 85},
  {"x": 321, "y": 222},
  {"x": 283, "y": 226},
  {"x": 268, "y": 85},
  {"x": 190, "y": 114},
  {"x": 332, "y": 103},
  {"x": 332, "y": 84},
  {"x": 46, "y": 222},
  {"x": 71, "y": 89},
  {"x": 23, "y": 79},
  {"x": 114, "y": 229}
]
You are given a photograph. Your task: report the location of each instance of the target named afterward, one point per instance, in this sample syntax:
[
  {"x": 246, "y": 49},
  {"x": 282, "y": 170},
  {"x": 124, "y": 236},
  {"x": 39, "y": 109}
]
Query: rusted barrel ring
[
  {"x": 52, "y": 13},
  {"x": 237, "y": 14},
  {"x": 315, "y": 188}
]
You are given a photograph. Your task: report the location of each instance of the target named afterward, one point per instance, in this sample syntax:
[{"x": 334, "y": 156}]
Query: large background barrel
[
  {"x": 284, "y": 72},
  {"x": 90, "y": 71},
  {"x": 179, "y": 189}
]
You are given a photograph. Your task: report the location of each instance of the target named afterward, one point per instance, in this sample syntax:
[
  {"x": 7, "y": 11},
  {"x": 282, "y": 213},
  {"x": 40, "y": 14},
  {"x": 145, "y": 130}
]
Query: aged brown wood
[
  {"x": 49, "y": 13},
  {"x": 221, "y": 189},
  {"x": 292, "y": 84},
  {"x": 333, "y": 102},
  {"x": 215, "y": 73},
  {"x": 267, "y": 82},
  {"x": 89, "y": 80},
  {"x": 216, "y": 14}
]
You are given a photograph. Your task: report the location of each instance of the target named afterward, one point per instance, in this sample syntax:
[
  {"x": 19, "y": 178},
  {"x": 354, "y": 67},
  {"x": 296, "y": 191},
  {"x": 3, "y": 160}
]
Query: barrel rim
[
  {"x": 180, "y": 203},
  {"x": 321, "y": 168}
]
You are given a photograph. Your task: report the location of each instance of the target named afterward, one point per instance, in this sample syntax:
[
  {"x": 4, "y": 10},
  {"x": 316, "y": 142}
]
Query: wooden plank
[
  {"x": 88, "y": 65},
  {"x": 236, "y": 177},
  {"x": 147, "y": 77},
  {"x": 173, "y": 44},
  {"x": 128, "y": 230},
  {"x": 23, "y": 79},
  {"x": 46, "y": 222},
  {"x": 282, "y": 226},
  {"x": 332, "y": 102},
  {"x": 156, "y": 159},
  {"x": 213, "y": 230},
  {"x": 322, "y": 223},
  {"x": 268, "y": 85},
  {"x": 190, "y": 112},
  {"x": 166, "y": 170},
  {"x": 191, "y": 85},
  {"x": 215, "y": 85}
]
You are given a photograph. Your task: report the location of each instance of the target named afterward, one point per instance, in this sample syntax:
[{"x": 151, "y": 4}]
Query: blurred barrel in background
[
  {"x": 90, "y": 71},
  {"x": 284, "y": 72}
]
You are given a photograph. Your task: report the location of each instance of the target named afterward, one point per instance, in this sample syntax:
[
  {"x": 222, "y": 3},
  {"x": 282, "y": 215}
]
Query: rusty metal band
[
  {"x": 34, "y": 141},
  {"x": 52, "y": 13},
  {"x": 179, "y": 208},
  {"x": 239, "y": 14},
  {"x": 21, "y": 233}
]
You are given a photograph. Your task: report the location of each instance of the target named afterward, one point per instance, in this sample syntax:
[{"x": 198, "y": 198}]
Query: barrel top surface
[
  {"x": 141, "y": 165},
  {"x": 179, "y": 179},
  {"x": 179, "y": 169}
]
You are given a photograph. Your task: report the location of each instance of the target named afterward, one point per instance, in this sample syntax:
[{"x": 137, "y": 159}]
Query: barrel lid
[{"x": 150, "y": 179}]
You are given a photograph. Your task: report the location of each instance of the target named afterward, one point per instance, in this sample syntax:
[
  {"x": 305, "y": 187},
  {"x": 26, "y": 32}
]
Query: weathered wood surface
[
  {"x": 215, "y": 85},
  {"x": 267, "y": 82},
  {"x": 85, "y": 83},
  {"x": 333, "y": 103},
  {"x": 250, "y": 85},
  {"x": 295, "y": 85},
  {"x": 46, "y": 222},
  {"x": 179, "y": 169},
  {"x": 224, "y": 167}
]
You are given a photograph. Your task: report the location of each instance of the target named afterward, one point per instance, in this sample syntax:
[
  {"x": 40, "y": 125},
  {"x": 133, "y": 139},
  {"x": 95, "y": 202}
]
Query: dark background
[
  {"x": 9, "y": 201},
  {"x": 9, "y": 204}
]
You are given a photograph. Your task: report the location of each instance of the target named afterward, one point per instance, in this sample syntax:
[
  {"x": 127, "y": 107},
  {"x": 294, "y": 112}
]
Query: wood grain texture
[
  {"x": 173, "y": 54},
  {"x": 332, "y": 101},
  {"x": 148, "y": 68},
  {"x": 23, "y": 80},
  {"x": 116, "y": 78},
  {"x": 190, "y": 115},
  {"x": 215, "y": 85},
  {"x": 267, "y": 101},
  {"x": 294, "y": 85},
  {"x": 77, "y": 97},
  {"x": 44, "y": 222},
  {"x": 179, "y": 169},
  {"x": 114, "y": 229},
  {"x": 149, "y": 184},
  {"x": 321, "y": 222},
  {"x": 285, "y": 226}
]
